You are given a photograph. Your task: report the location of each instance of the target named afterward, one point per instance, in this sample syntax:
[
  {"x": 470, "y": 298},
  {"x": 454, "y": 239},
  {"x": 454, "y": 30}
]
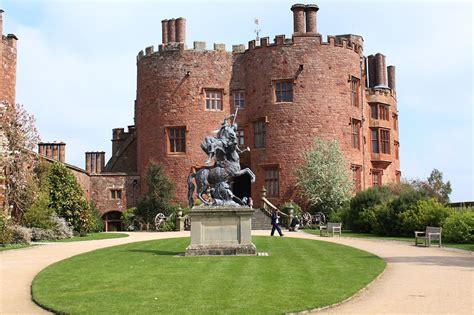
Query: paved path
[{"x": 417, "y": 280}]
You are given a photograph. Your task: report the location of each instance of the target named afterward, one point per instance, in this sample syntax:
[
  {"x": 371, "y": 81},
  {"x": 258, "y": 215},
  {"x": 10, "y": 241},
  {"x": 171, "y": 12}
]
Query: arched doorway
[
  {"x": 112, "y": 221},
  {"x": 241, "y": 186}
]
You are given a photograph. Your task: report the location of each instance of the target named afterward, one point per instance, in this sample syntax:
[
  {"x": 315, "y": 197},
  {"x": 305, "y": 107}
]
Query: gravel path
[{"x": 417, "y": 280}]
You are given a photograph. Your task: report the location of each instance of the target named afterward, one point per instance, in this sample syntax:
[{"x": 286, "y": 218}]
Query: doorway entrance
[{"x": 112, "y": 221}]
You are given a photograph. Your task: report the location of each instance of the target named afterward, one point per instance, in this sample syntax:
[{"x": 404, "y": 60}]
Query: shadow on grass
[{"x": 155, "y": 252}]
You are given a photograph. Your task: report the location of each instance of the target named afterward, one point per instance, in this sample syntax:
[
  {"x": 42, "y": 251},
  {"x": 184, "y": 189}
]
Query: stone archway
[{"x": 112, "y": 221}]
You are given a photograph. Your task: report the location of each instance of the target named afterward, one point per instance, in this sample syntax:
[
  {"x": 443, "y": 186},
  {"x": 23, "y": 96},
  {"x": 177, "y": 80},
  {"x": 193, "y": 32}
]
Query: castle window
[
  {"x": 357, "y": 177},
  {"x": 176, "y": 139},
  {"x": 380, "y": 140},
  {"x": 259, "y": 134},
  {"x": 376, "y": 178},
  {"x": 379, "y": 111},
  {"x": 356, "y": 125},
  {"x": 398, "y": 174},
  {"x": 395, "y": 121},
  {"x": 396, "y": 145},
  {"x": 239, "y": 99},
  {"x": 240, "y": 137},
  {"x": 284, "y": 91},
  {"x": 375, "y": 140},
  {"x": 116, "y": 194},
  {"x": 355, "y": 83},
  {"x": 385, "y": 141},
  {"x": 272, "y": 182},
  {"x": 213, "y": 100}
]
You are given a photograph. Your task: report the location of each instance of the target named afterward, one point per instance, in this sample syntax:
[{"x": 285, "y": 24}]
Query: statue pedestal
[{"x": 221, "y": 230}]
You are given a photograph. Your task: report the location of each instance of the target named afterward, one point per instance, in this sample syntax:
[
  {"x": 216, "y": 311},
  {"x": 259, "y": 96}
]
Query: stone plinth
[{"x": 221, "y": 230}]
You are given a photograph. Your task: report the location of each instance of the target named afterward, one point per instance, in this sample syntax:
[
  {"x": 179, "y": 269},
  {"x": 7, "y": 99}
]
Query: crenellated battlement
[
  {"x": 381, "y": 91},
  {"x": 198, "y": 46},
  {"x": 352, "y": 42}
]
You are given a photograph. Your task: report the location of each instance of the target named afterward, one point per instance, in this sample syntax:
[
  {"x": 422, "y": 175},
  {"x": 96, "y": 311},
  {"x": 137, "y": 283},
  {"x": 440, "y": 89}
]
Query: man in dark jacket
[{"x": 275, "y": 222}]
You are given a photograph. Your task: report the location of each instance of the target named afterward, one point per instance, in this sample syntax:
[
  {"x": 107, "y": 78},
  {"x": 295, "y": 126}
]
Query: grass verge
[
  {"x": 147, "y": 277},
  {"x": 13, "y": 246},
  {"x": 93, "y": 236}
]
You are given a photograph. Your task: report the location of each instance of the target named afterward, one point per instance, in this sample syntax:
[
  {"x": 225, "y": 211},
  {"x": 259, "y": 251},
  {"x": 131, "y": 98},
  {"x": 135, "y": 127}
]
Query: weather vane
[{"x": 257, "y": 29}]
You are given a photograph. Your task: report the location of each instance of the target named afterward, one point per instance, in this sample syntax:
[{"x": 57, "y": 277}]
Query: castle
[{"x": 287, "y": 91}]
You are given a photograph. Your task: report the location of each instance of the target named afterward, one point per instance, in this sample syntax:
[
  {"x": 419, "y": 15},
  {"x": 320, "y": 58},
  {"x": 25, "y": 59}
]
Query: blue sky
[{"x": 77, "y": 66}]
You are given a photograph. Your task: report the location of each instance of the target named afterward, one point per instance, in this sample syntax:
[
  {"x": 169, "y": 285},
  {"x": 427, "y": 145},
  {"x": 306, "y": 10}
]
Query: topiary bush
[{"x": 459, "y": 227}]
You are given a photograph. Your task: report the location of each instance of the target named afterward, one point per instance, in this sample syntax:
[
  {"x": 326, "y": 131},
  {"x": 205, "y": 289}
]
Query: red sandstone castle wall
[
  {"x": 167, "y": 96},
  {"x": 321, "y": 106}
]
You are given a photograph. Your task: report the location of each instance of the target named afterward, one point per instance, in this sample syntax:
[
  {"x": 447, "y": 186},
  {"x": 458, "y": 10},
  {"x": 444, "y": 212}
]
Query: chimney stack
[
  {"x": 298, "y": 18},
  {"x": 371, "y": 70},
  {"x": 171, "y": 31},
  {"x": 95, "y": 162},
  {"x": 391, "y": 77},
  {"x": 55, "y": 151},
  {"x": 310, "y": 11},
  {"x": 381, "y": 70},
  {"x": 180, "y": 30},
  {"x": 164, "y": 32}
]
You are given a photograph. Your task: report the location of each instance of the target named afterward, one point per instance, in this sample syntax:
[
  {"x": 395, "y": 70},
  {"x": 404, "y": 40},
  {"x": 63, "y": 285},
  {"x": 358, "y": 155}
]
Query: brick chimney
[
  {"x": 55, "y": 150},
  {"x": 310, "y": 11},
  {"x": 298, "y": 18},
  {"x": 180, "y": 30},
  {"x": 171, "y": 31},
  {"x": 391, "y": 77},
  {"x": 164, "y": 32},
  {"x": 95, "y": 162},
  {"x": 381, "y": 70}
]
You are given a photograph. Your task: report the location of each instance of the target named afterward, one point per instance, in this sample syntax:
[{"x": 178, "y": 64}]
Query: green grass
[
  {"x": 469, "y": 247},
  {"x": 93, "y": 236},
  {"x": 13, "y": 246},
  {"x": 147, "y": 277}
]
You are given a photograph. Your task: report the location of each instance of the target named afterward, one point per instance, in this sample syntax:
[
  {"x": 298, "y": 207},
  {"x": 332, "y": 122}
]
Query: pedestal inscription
[{"x": 221, "y": 230}]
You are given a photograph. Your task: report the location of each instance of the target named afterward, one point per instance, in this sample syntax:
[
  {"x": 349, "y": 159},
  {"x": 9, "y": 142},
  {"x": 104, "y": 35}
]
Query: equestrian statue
[{"x": 215, "y": 181}]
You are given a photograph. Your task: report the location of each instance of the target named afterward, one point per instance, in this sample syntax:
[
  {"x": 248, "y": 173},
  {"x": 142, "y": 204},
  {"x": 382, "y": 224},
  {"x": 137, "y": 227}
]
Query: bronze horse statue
[{"x": 216, "y": 180}]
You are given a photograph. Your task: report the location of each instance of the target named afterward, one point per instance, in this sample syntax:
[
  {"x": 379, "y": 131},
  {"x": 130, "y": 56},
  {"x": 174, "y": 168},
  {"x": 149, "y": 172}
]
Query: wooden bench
[
  {"x": 330, "y": 228},
  {"x": 431, "y": 234}
]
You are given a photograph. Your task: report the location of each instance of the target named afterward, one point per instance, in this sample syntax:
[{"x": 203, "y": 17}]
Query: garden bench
[
  {"x": 431, "y": 234},
  {"x": 330, "y": 228}
]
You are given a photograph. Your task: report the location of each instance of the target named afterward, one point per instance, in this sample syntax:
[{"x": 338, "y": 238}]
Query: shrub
[
  {"x": 340, "y": 215},
  {"x": 20, "y": 234},
  {"x": 61, "y": 228},
  {"x": 296, "y": 208},
  {"x": 96, "y": 223},
  {"x": 459, "y": 227},
  {"x": 365, "y": 200},
  {"x": 5, "y": 231},
  {"x": 39, "y": 234},
  {"x": 129, "y": 219},
  {"x": 39, "y": 214}
]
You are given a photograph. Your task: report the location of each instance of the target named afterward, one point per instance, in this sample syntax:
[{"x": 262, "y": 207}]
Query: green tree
[
  {"x": 159, "y": 195},
  {"x": 67, "y": 199},
  {"x": 324, "y": 177},
  {"x": 435, "y": 187}
]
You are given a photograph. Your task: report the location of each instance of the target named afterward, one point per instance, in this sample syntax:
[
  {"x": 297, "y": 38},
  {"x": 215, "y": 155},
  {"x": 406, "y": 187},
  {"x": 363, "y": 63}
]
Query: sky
[{"x": 76, "y": 70}]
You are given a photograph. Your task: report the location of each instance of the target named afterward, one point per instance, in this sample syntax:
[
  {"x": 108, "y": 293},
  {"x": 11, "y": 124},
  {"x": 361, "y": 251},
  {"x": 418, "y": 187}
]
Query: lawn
[
  {"x": 469, "y": 247},
  {"x": 148, "y": 277},
  {"x": 93, "y": 236}
]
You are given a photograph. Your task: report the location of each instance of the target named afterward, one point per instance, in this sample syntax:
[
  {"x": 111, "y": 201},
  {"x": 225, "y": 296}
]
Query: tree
[
  {"x": 160, "y": 193},
  {"x": 324, "y": 176},
  {"x": 434, "y": 186},
  {"x": 17, "y": 161},
  {"x": 67, "y": 199}
]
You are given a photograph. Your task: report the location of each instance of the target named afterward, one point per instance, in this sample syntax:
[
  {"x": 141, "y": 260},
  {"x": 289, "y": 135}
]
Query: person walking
[{"x": 275, "y": 222}]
